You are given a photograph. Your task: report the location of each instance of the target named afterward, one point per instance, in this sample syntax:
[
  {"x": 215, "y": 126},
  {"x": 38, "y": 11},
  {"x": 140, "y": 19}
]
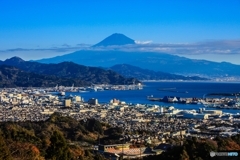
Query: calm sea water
[{"x": 161, "y": 89}]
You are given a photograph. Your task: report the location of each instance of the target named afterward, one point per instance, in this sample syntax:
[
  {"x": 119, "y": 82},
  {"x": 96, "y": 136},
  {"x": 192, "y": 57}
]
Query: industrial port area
[{"x": 224, "y": 101}]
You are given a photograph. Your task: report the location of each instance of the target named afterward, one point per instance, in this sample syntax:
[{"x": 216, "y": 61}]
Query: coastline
[
  {"x": 194, "y": 89},
  {"x": 197, "y": 81}
]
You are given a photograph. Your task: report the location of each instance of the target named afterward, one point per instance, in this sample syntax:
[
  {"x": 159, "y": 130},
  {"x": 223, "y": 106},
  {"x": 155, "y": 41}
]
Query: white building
[{"x": 191, "y": 115}]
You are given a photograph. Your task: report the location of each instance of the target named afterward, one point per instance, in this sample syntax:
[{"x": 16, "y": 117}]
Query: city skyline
[{"x": 35, "y": 30}]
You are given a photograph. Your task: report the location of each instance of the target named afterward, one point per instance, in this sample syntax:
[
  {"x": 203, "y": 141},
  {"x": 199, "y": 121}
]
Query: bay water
[{"x": 166, "y": 88}]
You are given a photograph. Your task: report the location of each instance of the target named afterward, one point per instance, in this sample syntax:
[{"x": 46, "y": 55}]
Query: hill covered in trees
[
  {"x": 69, "y": 72},
  {"x": 57, "y": 138},
  {"x": 13, "y": 77},
  {"x": 199, "y": 149}
]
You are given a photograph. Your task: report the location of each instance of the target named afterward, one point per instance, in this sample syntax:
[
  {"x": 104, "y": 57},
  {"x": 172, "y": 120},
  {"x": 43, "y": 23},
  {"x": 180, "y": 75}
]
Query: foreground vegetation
[
  {"x": 199, "y": 149},
  {"x": 57, "y": 138},
  {"x": 64, "y": 138}
]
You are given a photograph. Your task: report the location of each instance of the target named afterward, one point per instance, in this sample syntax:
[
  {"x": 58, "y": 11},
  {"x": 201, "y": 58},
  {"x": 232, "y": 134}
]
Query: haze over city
[{"x": 195, "y": 29}]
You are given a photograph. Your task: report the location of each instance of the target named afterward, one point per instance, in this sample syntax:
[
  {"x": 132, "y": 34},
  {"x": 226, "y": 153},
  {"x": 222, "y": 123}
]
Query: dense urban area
[{"x": 112, "y": 130}]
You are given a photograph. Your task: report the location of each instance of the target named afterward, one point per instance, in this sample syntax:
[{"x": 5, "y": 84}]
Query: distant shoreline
[{"x": 206, "y": 81}]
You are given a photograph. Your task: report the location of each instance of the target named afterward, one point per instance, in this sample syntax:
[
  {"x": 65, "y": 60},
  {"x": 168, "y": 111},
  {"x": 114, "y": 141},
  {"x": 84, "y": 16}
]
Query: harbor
[
  {"x": 194, "y": 99},
  {"x": 94, "y": 88},
  {"x": 219, "y": 103}
]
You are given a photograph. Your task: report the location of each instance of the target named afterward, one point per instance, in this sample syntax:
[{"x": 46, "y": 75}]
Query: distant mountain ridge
[
  {"x": 115, "y": 39},
  {"x": 70, "y": 70},
  {"x": 149, "y": 60},
  {"x": 145, "y": 74}
]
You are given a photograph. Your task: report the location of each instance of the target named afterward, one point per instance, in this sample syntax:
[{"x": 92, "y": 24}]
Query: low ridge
[
  {"x": 68, "y": 70},
  {"x": 13, "y": 77},
  {"x": 145, "y": 74},
  {"x": 14, "y": 60}
]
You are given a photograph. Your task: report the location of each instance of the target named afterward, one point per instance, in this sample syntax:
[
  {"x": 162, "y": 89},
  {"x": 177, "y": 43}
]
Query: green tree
[
  {"x": 184, "y": 155},
  {"x": 99, "y": 157},
  {"x": 4, "y": 151},
  {"x": 58, "y": 149},
  {"x": 94, "y": 126}
]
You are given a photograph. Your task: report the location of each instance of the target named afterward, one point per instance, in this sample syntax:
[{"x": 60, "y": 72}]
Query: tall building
[
  {"x": 93, "y": 101},
  {"x": 67, "y": 103}
]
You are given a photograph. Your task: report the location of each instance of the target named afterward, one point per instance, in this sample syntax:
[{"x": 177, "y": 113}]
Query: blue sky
[{"x": 42, "y": 24}]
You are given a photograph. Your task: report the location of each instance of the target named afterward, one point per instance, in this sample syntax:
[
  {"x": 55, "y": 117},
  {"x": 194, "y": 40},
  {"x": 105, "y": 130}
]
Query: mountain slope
[
  {"x": 145, "y": 74},
  {"x": 115, "y": 39},
  {"x": 149, "y": 60},
  {"x": 71, "y": 70},
  {"x": 13, "y": 77}
]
